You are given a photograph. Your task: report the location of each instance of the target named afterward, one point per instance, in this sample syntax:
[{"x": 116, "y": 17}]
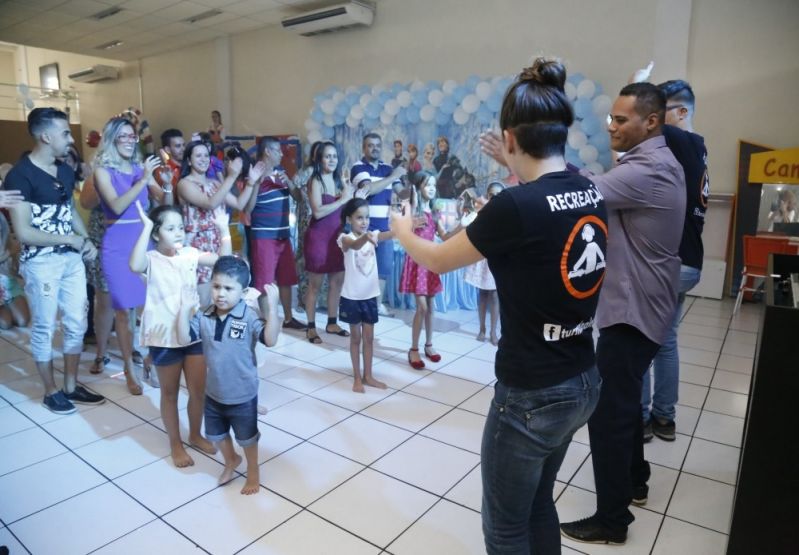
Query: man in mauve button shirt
[{"x": 645, "y": 197}]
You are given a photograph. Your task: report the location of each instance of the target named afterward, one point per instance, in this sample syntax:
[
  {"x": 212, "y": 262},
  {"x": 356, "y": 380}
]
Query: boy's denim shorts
[{"x": 243, "y": 418}]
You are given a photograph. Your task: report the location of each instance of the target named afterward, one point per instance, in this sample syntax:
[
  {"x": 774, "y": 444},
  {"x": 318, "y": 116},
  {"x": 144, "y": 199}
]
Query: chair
[{"x": 756, "y": 251}]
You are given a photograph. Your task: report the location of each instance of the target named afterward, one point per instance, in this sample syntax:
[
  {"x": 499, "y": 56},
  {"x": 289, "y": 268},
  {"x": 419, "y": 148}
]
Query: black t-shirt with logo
[
  {"x": 545, "y": 242},
  {"x": 50, "y": 199},
  {"x": 689, "y": 150}
]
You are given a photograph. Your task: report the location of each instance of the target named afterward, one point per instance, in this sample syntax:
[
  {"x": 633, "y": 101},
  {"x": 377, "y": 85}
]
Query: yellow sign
[{"x": 775, "y": 166}]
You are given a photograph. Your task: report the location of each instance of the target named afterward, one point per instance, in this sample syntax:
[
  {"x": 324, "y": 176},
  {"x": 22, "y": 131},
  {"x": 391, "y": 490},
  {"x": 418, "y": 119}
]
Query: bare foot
[
  {"x": 227, "y": 474},
  {"x": 251, "y": 486},
  {"x": 481, "y": 336},
  {"x": 374, "y": 383},
  {"x": 262, "y": 410},
  {"x": 203, "y": 445},
  {"x": 180, "y": 457},
  {"x": 357, "y": 387},
  {"x": 494, "y": 340}
]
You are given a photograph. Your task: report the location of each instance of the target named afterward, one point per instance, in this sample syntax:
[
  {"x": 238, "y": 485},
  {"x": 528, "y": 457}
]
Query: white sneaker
[{"x": 383, "y": 310}]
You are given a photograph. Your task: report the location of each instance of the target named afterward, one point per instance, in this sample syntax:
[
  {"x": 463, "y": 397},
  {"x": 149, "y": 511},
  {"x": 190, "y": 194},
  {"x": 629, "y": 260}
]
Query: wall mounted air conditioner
[
  {"x": 95, "y": 73},
  {"x": 332, "y": 18}
]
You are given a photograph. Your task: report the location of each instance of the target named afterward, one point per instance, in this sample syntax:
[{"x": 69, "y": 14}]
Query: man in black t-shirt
[
  {"x": 54, "y": 244},
  {"x": 689, "y": 149}
]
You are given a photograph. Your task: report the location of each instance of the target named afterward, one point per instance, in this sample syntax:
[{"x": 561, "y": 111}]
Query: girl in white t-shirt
[
  {"x": 167, "y": 270},
  {"x": 361, "y": 289}
]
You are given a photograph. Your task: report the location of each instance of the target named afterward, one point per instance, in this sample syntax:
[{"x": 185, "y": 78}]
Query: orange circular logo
[{"x": 590, "y": 266}]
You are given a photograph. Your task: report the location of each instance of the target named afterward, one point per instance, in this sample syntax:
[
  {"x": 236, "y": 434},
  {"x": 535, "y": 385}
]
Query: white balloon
[
  {"x": 449, "y": 86},
  {"x": 601, "y": 105},
  {"x": 356, "y": 112},
  {"x": 576, "y": 139},
  {"x": 386, "y": 118},
  {"x": 392, "y": 106},
  {"x": 338, "y": 96},
  {"x": 483, "y": 90},
  {"x": 571, "y": 91},
  {"x": 404, "y": 98},
  {"x": 586, "y": 88},
  {"x": 377, "y": 89},
  {"x": 329, "y": 121},
  {"x": 589, "y": 154},
  {"x": 352, "y": 123},
  {"x": 328, "y": 106},
  {"x": 416, "y": 86},
  {"x": 365, "y": 99},
  {"x": 460, "y": 116},
  {"x": 595, "y": 168},
  {"x": 435, "y": 97},
  {"x": 427, "y": 113},
  {"x": 470, "y": 103},
  {"x": 314, "y": 136},
  {"x": 311, "y": 124}
]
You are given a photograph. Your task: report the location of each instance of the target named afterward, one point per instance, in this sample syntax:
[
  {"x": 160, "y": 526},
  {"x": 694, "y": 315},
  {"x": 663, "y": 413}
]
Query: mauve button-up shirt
[{"x": 645, "y": 198}]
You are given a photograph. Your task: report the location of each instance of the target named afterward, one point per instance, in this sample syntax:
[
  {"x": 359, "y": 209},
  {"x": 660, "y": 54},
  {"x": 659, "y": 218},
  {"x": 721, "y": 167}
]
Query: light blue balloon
[
  {"x": 601, "y": 141},
  {"x": 575, "y": 78},
  {"x": 327, "y": 132},
  {"x": 373, "y": 109},
  {"x": 472, "y": 81},
  {"x": 401, "y": 118},
  {"x": 494, "y": 102},
  {"x": 605, "y": 159},
  {"x": 317, "y": 115},
  {"x": 459, "y": 93},
  {"x": 590, "y": 125},
  {"x": 342, "y": 109},
  {"x": 430, "y": 85},
  {"x": 572, "y": 157},
  {"x": 396, "y": 88},
  {"x": 582, "y": 108},
  {"x": 419, "y": 98},
  {"x": 339, "y": 118},
  {"x": 442, "y": 118},
  {"x": 413, "y": 115},
  {"x": 448, "y": 105},
  {"x": 598, "y": 89},
  {"x": 363, "y": 89},
  {"x": 485, "y": 117},
  {"x": 384, "y": 96},
  {"x": 371, "y": 123},
  {"x": 318, "y": 99}
]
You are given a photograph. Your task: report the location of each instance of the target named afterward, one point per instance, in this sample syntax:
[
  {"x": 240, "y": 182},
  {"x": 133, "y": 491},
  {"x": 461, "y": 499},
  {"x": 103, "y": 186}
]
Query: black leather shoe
[
  {"x": 590, "y": 530},
  {"x": 640, "y": 495}
]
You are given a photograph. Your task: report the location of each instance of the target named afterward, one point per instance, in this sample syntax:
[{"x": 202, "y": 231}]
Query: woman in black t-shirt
[{"x": 544, "y": 242}]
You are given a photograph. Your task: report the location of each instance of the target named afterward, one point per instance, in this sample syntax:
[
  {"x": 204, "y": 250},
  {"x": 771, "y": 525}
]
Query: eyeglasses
[
  {"x": 675, "y": 107},
  {"x": 128, "y": 138},
  {"x": 61, "y": 190}
]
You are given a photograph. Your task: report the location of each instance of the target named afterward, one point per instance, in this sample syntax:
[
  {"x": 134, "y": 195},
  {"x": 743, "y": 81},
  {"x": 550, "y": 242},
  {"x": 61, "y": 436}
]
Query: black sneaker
[
  {"x": 640, "y": 495},
  {"x": 83, "y": 396},
  {"x": 664, "y": 429},
  {"x": 590, "y": 530},
  {"x": 648, "y": 435},
  {"x": 58, "y": 403},
  {"x": 138, "y": 360}
]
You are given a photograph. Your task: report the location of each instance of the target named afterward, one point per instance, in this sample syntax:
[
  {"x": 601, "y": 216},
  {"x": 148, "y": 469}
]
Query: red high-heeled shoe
[
  {"x": 435, "y": 357},
  {"x": 415, "y": 364}
]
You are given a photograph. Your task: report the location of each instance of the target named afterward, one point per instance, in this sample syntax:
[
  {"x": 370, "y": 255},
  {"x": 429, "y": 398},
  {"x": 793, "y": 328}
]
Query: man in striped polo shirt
[
  {"x": 384, "y": 179},
  {"x": 271, "y": 255}
]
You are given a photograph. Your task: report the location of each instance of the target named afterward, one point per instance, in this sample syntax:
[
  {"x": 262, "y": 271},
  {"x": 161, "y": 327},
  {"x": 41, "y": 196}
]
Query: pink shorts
[{"x": 273, "y": 262}]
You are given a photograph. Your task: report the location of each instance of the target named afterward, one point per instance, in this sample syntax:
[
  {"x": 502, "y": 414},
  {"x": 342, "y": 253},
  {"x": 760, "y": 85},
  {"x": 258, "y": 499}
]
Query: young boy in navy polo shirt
[{"x": 229, "y": 330}]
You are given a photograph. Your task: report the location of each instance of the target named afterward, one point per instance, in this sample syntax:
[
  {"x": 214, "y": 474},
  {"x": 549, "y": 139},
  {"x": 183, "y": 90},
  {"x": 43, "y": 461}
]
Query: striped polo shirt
[
  {"x": 380, "y": 203},
  {"x": 270, "y": 216}
]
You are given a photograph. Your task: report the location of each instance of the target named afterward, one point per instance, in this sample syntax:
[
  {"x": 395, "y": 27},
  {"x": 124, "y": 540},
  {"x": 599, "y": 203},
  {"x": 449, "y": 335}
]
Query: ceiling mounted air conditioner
[
  {"x": 97, "y": 72},
  {"x": 332, "y": 18}
]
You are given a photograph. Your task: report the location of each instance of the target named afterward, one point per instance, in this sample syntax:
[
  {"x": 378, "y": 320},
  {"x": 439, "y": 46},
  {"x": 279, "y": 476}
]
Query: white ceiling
[{"x": 145, "y": 27}]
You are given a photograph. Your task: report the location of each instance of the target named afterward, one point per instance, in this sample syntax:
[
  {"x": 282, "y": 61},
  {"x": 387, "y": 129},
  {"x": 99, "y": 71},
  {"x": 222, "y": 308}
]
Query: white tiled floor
[{"x": 394, "y": 471}]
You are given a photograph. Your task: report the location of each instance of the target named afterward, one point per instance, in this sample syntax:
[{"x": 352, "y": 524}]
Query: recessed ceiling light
[
  {"x": 106, "y": 13},
  {"x": 109, "y": 45},
  {"x": 201, "y": 16}
]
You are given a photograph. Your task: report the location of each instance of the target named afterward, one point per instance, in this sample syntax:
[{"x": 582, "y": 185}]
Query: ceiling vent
[
  {"x": 330, "y": 19},
  {"x": 95, "y": 73}
]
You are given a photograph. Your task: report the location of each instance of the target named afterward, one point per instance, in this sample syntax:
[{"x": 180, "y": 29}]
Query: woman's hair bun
[{"x": 545, "y": 72}]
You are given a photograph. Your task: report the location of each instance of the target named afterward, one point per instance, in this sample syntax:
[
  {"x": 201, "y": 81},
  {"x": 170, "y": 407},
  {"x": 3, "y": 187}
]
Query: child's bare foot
[
  {"x": 374, "y": 383},
  {"x": 227, "y": 474},
  {"x": 203, "y": 445},
  {"x": 357, "y": 387},
  {"x": 180, "y": 457},
  {"x": 251, "y": 486},
  {"x": 494, "y": 339},
  {"x": 481, "y": 336},
  {"x": 262, "y": 410}
]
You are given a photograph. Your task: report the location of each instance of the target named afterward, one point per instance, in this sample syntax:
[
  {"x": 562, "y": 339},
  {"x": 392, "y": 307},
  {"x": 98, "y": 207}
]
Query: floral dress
[{"x": 201, "y": 230}]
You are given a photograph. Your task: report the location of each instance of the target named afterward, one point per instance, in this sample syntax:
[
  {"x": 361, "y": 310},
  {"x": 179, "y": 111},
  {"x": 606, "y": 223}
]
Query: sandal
[
  {"x": 415, "y": 364},
  {"x": 294, "y": 324},
  {"x": 98, "y": 366},
  {"x": 134, "y": 386},
  {"x": 340, "y": 331},
  {"x": 137, "y": 358},
  {"x": 312, "y": 336},
  {"x": 150, "y": 373},
  {"x": 435, "y": 357}
]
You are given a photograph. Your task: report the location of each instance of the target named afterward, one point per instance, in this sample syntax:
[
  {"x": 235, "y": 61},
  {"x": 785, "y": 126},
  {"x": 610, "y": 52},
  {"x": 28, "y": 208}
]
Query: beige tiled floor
[{"x": 395, "y": 471}]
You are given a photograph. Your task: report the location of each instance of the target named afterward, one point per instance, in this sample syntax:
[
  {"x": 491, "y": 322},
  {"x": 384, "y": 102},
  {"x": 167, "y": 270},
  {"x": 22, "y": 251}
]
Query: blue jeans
[
  {"x": 525, "y": 440},
  {"x": 56, "y": 281},
  {"x": 666, "y": 364}
]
